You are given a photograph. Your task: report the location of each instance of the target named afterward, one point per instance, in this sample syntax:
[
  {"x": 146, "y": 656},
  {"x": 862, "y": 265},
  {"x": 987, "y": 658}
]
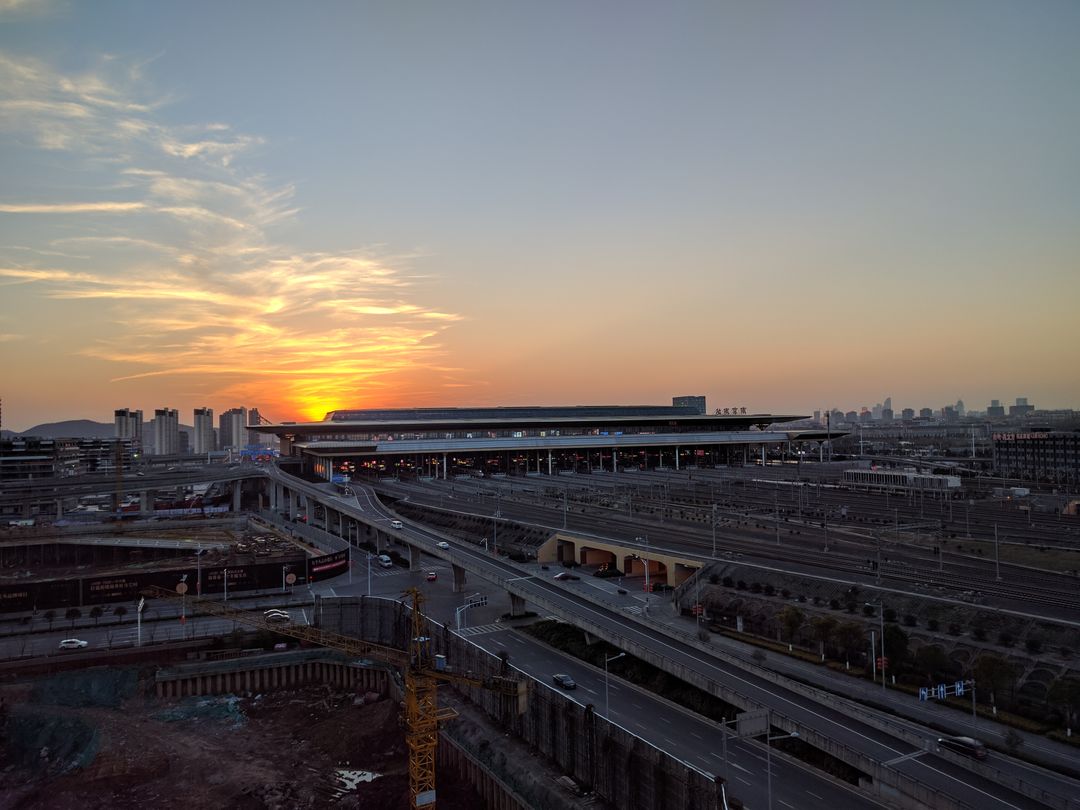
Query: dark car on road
[
  {"x": 565, "y": 681},
  {"x": 963, "y": 745},
  {"x": 565, "y": 576}
]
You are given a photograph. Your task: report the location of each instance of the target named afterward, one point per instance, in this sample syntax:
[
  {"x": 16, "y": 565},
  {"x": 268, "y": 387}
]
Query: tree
[
  {"x": 896, "y": 647},
  {"x": 120, "y": 612},
  {"x": 850, "y": 638},
  {"x": 95, "y": 613},
  {"x": 50, "y": 617},
  {"x": 1066, "y": 693},
  {"x": 73, "y": 614},
  {"x": 1013, "y": 740},
  {"x": 932, "y": 661},
  {"x": 823, "y": 628},
  {"x": 994, "y": 673},
  {"x": 791, "y": 618}
]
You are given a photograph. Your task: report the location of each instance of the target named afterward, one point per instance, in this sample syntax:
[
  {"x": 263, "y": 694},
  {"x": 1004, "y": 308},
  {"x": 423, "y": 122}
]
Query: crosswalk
[
  {"x": 480, "y": 630},
  {"x": 633, "y": 610}
]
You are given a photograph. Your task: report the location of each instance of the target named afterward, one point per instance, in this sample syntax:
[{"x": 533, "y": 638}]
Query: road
[{"x": 842, "y": 726}]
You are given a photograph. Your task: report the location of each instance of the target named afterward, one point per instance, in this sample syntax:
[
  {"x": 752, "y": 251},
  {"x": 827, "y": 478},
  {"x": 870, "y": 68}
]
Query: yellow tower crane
[{"x": 421, "y": 669}]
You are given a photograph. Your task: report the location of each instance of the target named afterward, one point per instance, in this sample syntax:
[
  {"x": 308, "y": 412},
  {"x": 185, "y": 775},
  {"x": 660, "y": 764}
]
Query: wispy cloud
[
  {"x": 180, "y": 242},
  {"x": 71, "y": 208}
]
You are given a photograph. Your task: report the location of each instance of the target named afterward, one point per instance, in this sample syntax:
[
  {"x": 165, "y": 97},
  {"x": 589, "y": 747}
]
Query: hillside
[{"x": 72, "y": 429}]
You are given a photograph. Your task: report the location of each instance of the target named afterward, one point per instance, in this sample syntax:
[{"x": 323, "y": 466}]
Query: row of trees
[
  {"x": 996, "y": 678},
  {"x": 73, "y": 614}
]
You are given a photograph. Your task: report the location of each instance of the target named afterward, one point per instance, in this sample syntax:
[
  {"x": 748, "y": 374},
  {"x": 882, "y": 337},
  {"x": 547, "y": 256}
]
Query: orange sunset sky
[{"x": 782, "y": 206}]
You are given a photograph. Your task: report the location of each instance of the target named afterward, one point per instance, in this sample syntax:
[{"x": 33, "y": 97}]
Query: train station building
[{"x": 444, "y": 442}]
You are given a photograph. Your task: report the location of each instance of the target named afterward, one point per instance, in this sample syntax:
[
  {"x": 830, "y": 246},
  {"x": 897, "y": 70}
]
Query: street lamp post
[
  {"x": 225, "y": 579},
  {"x": 880, "y": 604},
  {"x": 768, "y": 758},
  {"x": 645, "y": 560},
  {"x": 714, "y": 530},
  {"x": 607, "y": 702}
]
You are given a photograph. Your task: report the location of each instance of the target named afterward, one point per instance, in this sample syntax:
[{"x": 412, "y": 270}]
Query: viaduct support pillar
[
  {"x": 236, "y": 486},
  {"x": 549, "y": 462},
  {"x": 459, "y": 578},
  {"x": 445, "y": 467},
  {"x": 517, "y": 605},
  {"x": 414, "y": 558},
  {"x": 676, "y": 457},
  {"x": 290, "y": 499},
  {"x": 145, "y": 504}
]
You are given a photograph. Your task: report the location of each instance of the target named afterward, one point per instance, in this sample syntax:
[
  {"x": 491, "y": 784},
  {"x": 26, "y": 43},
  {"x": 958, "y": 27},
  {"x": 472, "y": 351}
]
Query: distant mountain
[
  {"x": 8, "y": 434},
  {"x": 72, "y": 429}
]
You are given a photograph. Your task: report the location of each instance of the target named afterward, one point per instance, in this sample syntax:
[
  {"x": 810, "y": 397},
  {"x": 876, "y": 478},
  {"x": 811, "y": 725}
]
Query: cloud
[
  {"x": 200, "y": 290},
  {"x": 71, "y": 208}
]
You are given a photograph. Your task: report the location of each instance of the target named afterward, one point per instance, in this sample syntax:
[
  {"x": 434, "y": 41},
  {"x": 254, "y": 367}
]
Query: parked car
[
  {"x": 963, "y": 745},
  {"x": 565, "y": 681},
  {"x": 442, "y": 544},
  {"x": 432, "y": 576},
  {"x": 566, "y": 576},
  {"x": 73, "y": 644}
]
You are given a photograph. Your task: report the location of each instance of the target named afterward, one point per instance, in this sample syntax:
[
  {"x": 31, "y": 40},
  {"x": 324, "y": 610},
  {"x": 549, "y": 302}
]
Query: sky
[{"x": 780, "y": 205}]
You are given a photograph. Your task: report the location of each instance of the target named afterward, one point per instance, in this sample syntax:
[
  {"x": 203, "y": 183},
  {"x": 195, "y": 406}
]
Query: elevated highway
[{"x": 899, "y": 758}]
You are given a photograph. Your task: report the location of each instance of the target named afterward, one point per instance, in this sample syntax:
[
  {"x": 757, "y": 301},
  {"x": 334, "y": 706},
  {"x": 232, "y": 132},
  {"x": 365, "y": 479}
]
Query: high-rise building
[
  {"x": 204, "y": 431},
  {"x": 166, "y": 432},
  {"x": 995, "y": 410},
  {"x": 886, "y": 414},
  {"x": 128, "y": 424},
  {"x": 960, "y": 409},
  {"x": 1021, "y": 408},
  {"x": 232, "y": 428},
  {"x": 926, "y": 413},
  {"x": 907, "y": 414},
  {"x": 888, "y": 403},
  {"x": 690, "y": 402},
  {"x": 255, "y": 418}
]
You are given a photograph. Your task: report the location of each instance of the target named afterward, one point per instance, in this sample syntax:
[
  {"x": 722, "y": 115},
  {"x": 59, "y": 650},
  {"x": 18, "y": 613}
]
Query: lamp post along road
[
  {"x": 768, "y": 758},
  {"x": 607, "y": 702}
]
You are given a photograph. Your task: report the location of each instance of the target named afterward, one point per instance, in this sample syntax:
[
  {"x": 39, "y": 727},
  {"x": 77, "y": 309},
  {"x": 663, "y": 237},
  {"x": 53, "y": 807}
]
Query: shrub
[
  {"x": 741, "y": 586},
  {"x": 890, "y": 615},
  {"x": 1034, "y": 645},
  {"x": 850, "y": 607},
  {"x": 755, "y": 587},
  {"x": 978, "y": 633},
  {"x": 834, "y": 604},
  {"x": 728, "y": 582},
  {"x": 1005, "y": 639},
  {"x": 1065, "y": 652},
  {"x": 714, "y": 579},
  {"x": 769, "y": 590},
  {"x": 909, "y": 620},
  {"x": 785, "y": 593},
  {"x": 868, "y": 610}
]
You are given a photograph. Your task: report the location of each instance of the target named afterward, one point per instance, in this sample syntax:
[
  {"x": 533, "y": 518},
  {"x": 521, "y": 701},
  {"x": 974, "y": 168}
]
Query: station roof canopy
[{"x": 449, "y": 419}]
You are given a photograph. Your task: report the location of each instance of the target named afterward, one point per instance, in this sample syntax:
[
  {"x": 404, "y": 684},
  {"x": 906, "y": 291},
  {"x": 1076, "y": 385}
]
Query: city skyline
[{"x": 777, "y": 206}]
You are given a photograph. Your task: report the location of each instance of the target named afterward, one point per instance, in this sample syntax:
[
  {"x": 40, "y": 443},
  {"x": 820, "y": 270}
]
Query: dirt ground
[{"x": 276, "y": 750}]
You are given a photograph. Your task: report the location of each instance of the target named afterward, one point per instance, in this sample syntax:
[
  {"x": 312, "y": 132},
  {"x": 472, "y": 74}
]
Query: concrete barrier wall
[
  {"x": 624, "y": 769},
  {"x": 267, "y": 672}
]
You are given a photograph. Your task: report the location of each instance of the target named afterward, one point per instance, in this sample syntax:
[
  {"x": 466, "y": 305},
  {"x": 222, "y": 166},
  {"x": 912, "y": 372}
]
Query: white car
[
  {"x": 395, "y": 524},
  {"x": 277, "y": 616},
  {"x": 73, "y": 644},
  {"x": 442, "y": 544}
]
